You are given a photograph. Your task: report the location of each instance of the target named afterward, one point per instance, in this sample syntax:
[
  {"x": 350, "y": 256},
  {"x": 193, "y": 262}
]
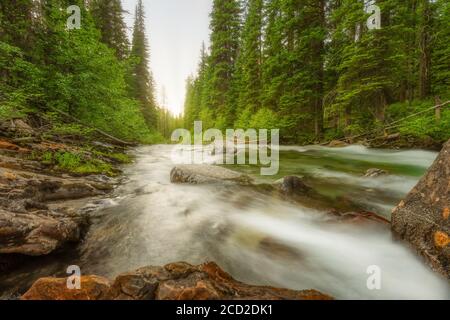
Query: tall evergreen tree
[
  {"x": 440, "y": 62},
  {"x": 108, "y": 17},
  {"x": 16, "y": 23},
  {"x": 225, "y": 32},
  {"x": 315, "y": 68},
  {"x": 142, "y": 79},
  {"x": 249, "y": 65},
  {"x": 367, "y": 70}
]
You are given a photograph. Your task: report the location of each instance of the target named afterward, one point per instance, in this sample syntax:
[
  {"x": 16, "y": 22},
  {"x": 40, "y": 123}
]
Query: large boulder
[
  {"x": 34, "y": 217},
  {"x": 177, "y": 281},
  {"x": 203, "y": 174},
  {"x": 422, "y": 218}
]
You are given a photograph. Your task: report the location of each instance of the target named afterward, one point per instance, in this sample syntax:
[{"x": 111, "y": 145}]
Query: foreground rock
[
  {"x": 203, "y": 174},
  {"x": 177, "y": 281},
  {"x": 33, "y": 221},
  {"x": 423, "y": 217},
  {"x": 91, "y": 288},
  {"x": 38, "y": 233}
]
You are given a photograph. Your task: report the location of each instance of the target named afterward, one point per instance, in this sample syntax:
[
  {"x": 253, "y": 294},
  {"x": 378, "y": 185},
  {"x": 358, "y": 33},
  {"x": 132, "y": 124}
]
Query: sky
[{"x": 175, "y": 30}]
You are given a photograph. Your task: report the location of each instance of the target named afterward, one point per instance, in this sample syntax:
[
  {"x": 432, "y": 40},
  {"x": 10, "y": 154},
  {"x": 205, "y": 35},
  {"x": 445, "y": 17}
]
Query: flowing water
[{"x": 257, "y": 238}]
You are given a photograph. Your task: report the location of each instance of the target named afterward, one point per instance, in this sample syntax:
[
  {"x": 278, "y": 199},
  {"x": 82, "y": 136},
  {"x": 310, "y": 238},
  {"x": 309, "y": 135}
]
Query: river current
[{"x": 257, "y": 238}]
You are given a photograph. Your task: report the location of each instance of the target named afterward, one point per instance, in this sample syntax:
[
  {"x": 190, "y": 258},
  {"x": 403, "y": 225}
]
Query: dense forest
[
  {"x": 94, "y": 72},
  {"x": 315, "y": 70},
  {"x": 310, "y": 68}
]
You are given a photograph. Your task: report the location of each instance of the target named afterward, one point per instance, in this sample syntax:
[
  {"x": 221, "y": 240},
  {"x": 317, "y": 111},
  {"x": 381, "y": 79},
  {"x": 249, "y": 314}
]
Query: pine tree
[
  {"x": 249, "y": 65},
  {"x": 367, "y": 72},
  {"x": 294, "y": 63},
  {"x": 440, "y": 65},
  {"x": 16, "y": 23},
  {"x": 426, "y": 21},
  {"x": 108, "y": 17},
  {"x": 225, "y": 32},
  {"x": 273, "y": 73},
  {"x": 142, "y": 79}
]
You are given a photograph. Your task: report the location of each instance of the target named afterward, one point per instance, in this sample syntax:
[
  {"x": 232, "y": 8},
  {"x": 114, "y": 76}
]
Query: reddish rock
[
  {"x": 177, "y": 281},
  {"x": 5, "y": 145},
  {"x": 92, "y": 288}
]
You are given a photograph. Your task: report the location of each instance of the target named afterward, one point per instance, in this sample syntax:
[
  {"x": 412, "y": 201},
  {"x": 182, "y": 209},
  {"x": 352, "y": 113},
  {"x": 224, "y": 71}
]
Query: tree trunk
[
  {"x": 425, "y": 51},
  {"x": 348, "y": 116}
]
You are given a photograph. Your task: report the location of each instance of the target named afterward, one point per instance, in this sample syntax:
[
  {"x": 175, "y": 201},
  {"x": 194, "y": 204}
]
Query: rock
[
  {"x": 337, "y": 144},
  {"x": 40, "y": 187},
  {"x": 38, "y": 233},
  {"x": 422, "y": 218},
  {"x": 21, "y": 127},
  {"x": 375, "y": 173},
  {"x": 6, "y": 145},
  {"x": 277, "y": 249},
  {"x": 31, "y": 222},
  {"x": 202, "y": 174},
  {"x": 92, "y": 288},
  {"x": 20, "y": 164},
  {"x": 363, "y": 217},
  {"x": 68, "y": 191},
  {"x": 293, "y": 185},
  {"x": 176, "y": 281}
]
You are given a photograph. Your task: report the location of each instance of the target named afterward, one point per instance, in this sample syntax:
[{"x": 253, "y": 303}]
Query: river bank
[{"x": 298, "y": 243}]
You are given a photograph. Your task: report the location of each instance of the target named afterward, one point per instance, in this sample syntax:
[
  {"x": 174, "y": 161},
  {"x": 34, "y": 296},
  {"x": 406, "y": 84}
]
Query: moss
[
  {"x": 118, "y": 157},
  {"x": 76, "y": 163}
]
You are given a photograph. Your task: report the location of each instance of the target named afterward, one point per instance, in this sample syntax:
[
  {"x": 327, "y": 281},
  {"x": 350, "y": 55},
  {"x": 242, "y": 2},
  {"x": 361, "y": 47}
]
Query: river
[{"x": 257, "y": 238}]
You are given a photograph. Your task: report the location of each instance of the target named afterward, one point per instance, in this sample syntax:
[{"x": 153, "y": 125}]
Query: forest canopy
[
  {"x": 315, "y": 70},
  {"x": 93, "y": 72}
]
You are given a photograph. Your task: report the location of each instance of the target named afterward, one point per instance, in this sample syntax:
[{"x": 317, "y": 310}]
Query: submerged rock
[
  {"x": 177, "y": 281},
  {"x": 203, "y": 174},
  {"x": 375, "y": 173},
  {"x": 422, "y": 218},
  {"x": 293, "y": 185}
]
